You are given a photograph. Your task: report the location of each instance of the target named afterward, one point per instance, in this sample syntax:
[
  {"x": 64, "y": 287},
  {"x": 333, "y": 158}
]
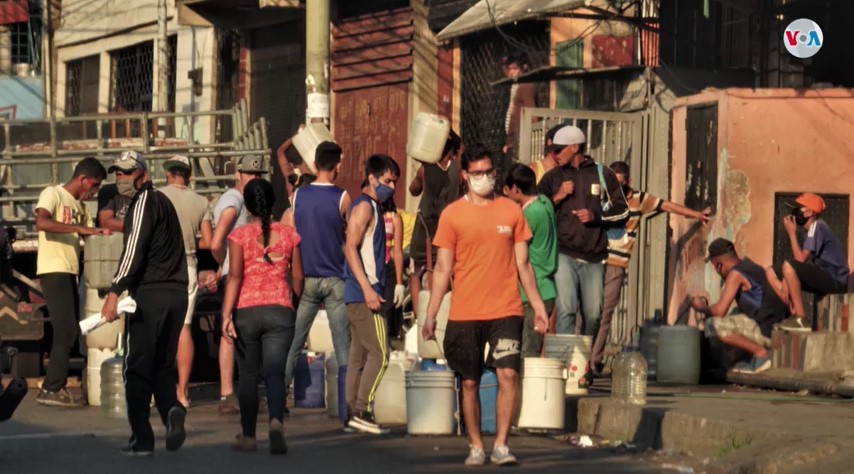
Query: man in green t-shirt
[{"x": 521, "y": 187}]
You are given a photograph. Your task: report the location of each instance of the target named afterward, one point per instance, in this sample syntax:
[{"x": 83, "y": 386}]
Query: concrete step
[{"x": 813, "y": 351}]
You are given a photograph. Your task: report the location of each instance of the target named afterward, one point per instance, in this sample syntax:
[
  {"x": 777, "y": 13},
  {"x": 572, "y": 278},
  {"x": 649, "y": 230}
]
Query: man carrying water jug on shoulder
[{"x": 483, "y": 242}]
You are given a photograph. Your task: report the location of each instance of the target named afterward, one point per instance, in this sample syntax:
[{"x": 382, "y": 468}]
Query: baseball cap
[
  {"x": 720, "y": 247},
  {"x": 251, "y": 165},
  {"x": 128, "y": 161},
  {"x": 177, "y": 161},
  {"x": 811, "y": 201},
  {"x": 569, "y": 135}
]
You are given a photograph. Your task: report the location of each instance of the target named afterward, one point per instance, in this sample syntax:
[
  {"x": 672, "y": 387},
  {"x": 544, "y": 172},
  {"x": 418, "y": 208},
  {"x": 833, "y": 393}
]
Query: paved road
[{"x": 49, "y": 440}]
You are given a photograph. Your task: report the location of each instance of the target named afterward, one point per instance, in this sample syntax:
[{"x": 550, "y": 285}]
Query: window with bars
[
  {"x": 81, "y": 86},
  {"x": 132, "y": 74}
]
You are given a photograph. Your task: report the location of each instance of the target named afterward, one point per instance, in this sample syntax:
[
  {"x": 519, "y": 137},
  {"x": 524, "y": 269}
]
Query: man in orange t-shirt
[{"x": 483, "y": 241}]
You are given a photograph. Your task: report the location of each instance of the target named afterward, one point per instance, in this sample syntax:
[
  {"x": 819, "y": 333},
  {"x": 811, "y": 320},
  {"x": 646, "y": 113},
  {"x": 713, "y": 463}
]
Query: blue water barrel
[
  {"x": 488, "y": 398},
  {"x": 309, "y": 383},
  {"x": 430, "y": 365}
]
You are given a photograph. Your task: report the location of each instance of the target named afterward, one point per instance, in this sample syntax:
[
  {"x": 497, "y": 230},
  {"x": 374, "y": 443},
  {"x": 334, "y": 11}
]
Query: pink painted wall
[{"x": 769, "y": 141}]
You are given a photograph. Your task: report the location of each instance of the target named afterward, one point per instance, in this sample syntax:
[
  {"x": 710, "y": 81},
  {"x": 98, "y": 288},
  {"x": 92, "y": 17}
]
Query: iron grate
[
  {"x": 132, "y": 78},
  {"x": 483, "y": 107}
]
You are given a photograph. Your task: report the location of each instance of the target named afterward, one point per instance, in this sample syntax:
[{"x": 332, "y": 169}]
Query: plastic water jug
[
  {"x": 634, "y": 374},
  {"x": 649, "y": 333},
  {"x": 105, "y": 336},
  {"x": 307, "y": 139},
  {"x": 94, "y": 361},
  {"x": 101, "y": 254},
  {"x": 618, "y": 381},
  {"x": 427, "y": 137},
  {"x": 432, "y": 349},
  {"x": 113, "y": 401}
]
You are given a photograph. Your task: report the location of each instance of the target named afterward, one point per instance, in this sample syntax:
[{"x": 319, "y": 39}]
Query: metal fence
[{"x": 611, "y": 136}]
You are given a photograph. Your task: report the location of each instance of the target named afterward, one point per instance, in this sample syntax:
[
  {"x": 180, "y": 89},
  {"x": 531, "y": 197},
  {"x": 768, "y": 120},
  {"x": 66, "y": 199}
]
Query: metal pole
[
  {"x": 162, "y": 66},
  {"x": 317, "y": 61}
]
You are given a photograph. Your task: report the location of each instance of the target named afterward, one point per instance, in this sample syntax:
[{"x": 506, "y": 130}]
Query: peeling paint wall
[{"x": 769, "y": 141}]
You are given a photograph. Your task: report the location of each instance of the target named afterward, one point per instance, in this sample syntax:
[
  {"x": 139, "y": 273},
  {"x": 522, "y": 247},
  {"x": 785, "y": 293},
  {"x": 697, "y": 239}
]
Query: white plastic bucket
[
  {"x": 94, "y": 359},
  {"x": 542, "y": 404},
  {"x": 307, "y": 139},
  {"x": 427, "y": 137},
  {"x": 432, "y": 349},
  {"x": 575, "y": 352},
  {"x": 390, "y": 399},
  {"x": 320, "y": 336},
  {"x": 104, "y": 337},
  {"x": 430, "y": 403},
  {"x": 331, "y": 385}
]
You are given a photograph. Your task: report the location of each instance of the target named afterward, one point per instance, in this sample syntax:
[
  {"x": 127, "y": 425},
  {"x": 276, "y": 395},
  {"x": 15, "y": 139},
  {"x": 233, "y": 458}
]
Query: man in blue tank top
[
  {"x": 760, "y": 308},
  {"x": 320, "y": 210},
  {"x": 364, "y": 279}
]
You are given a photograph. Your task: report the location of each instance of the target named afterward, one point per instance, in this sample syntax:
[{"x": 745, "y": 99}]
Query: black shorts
[
  {"x": 815, "y": 280},
  {"x": 465, "y": 342}
]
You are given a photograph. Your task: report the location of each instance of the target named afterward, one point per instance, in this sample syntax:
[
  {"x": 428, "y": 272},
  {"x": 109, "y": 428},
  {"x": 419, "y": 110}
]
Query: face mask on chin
[
  {"x": 126, "y": 188},
  {"x": 482, "y": 186}
]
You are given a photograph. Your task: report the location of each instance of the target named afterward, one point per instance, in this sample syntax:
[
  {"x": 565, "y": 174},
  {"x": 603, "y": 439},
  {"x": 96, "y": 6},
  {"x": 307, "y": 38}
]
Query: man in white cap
[
  {"x": 194, "y": 215},
  {"x": 113, "y": 205},
  {"x": 230, "y": 213},
  {"x": 589, "y": 199}
]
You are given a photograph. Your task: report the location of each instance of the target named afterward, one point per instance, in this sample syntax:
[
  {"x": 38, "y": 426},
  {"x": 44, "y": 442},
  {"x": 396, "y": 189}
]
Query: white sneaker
[
  {"x": 476, "y": 457},
  {"x": 501, "y": 456}
]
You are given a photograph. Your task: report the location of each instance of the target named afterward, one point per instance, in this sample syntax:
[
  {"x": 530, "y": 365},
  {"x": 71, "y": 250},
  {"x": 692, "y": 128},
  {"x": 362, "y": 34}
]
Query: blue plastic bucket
[{"x": 488, "y": 399}]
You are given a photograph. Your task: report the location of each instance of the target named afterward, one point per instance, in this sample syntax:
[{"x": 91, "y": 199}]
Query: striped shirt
[{"x": 640, "y": 204}]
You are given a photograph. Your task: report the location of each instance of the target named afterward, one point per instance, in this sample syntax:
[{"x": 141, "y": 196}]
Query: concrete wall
[
  {"x": 769, "y": 141},
  {"x": 98, "y": 27}
]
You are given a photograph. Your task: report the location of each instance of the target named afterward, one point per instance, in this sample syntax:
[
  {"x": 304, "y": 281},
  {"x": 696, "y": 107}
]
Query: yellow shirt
[
  {"x": 60, "y": 253},
  {"x": 408, "y": 220}
]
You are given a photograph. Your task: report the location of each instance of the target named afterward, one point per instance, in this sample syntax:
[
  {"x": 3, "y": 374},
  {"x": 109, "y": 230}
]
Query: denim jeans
[
  {"x": 264, "y": 335},
  {"x": 330, "y": 292},
  {"x": 580, "y": 285}
]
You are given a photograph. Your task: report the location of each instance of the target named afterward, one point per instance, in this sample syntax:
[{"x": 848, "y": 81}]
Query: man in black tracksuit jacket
[
  {"x": 153, "y": 269},
  {"x": 589, "y": 201}
]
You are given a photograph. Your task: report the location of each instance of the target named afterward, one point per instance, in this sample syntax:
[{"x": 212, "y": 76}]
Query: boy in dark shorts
[
  {"x": 819, "y": 264},
  {"x": 483, "y": 241}
]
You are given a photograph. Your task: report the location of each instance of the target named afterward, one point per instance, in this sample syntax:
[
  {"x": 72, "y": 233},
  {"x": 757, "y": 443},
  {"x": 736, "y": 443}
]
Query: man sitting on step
[{"x": 759, "y": 307}]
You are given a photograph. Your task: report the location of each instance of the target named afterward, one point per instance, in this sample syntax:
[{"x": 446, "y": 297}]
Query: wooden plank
[
  {"x": 372, "y": 81},
  {"x": 372, "y": 21}
]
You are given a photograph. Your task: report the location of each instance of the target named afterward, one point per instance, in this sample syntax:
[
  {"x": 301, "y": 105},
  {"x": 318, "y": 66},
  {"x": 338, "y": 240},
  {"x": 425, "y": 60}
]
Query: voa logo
[{"x": 803, "y": 38}]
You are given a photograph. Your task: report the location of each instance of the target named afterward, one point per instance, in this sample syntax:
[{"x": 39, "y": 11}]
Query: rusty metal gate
[{"x": 611, "y": 136}]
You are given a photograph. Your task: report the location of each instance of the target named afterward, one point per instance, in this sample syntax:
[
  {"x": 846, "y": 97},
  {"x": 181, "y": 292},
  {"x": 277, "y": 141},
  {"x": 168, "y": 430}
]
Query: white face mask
[{"x": 482, "y": 186}]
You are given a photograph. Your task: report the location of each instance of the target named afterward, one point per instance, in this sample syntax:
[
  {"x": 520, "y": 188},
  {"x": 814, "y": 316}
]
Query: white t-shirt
[{"x": 231, "y": 198}]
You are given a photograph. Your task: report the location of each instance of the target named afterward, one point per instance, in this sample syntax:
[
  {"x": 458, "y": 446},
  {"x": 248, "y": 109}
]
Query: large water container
[
  {"x": 390, "y": 399},
  {"x": 320, "y": 335},
  {"x": 430, "y": 403},
  {"x": 575, "y": 352},
  {"x": 307, "y": 139},
  {"x": 432, "y": 349},
  {"x": 94, "y": 360},
  {"x": 427, "y": 137},
  {"x": 105, "y": 336},
  {"x": 101, "y": 254},
  {"x": 488, "y": 399},
  {"x": 309, "y": 382},
  {"x": 678, "y": 359},
  {"x": 113, "y": 401},
  {"x": 542, "y": 402},
  {"x": 649, "y": 333},
  {"x": 634, "y": 371},
  {"x": 618, "y": 378}
]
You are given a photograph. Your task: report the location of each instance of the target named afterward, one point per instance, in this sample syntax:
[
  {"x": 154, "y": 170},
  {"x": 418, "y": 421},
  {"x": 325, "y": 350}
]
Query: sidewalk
[{"x": 730, "y": 428}]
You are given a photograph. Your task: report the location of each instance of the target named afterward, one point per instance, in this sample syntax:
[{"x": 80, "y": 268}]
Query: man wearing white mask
[{"x": 483, "y": 242}]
